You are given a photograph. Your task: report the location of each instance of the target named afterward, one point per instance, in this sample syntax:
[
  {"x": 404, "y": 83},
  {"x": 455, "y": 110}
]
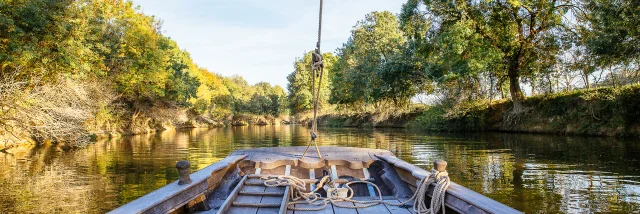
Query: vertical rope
[
  {"x": 319, "y": 27},
  {"x": 315, "y": 95}
]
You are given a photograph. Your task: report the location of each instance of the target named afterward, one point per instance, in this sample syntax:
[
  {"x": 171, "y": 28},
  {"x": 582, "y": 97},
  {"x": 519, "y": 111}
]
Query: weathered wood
[
  {"x": 269, "y": 158},
  {"x": 396, "y": 209},
  {"x": 200, "y": 203},
  {"x": 255, "y": 181},
  {"x": 334, "y": 175},
  {"x": 312, "y": 175},
  {"x": 279, "y": 193},
  {"x": 341, "y": 210},
  {"x": 327, "y": 210},
  {"x": 248, "y": 200},
  {"x": 392, "y": 180},
  {"x": 372, "y": 192},
  {"x": 232, "y": 196},
  {"x": 458, "y": 198},
  {"x": 271, "y": 200},
  {"x": 287, "y": 190},
  {"x": 379, "y": 208},
  {"x": 285, "y": 200},
  {"x": 257, "y": 205},
  {"x": 251, "y": 196},
  {"x": 173, "y": 196}
]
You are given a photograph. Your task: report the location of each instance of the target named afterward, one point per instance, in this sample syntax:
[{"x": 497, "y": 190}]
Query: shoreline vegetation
[
  {"x": 606, "y": 111},
  {"x": 73, "y": 71}
]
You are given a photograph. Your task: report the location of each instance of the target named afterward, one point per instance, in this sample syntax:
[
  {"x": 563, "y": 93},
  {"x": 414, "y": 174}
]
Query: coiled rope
[{"x": 298, "y": 192}]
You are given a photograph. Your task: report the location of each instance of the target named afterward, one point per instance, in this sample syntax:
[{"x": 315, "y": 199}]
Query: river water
[{"x": 532, "y": 173}]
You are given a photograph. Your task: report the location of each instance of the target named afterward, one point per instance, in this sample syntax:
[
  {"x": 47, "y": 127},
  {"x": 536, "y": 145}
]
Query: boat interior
[
  {"x": 236, "y": 184},
  {"x": 342, "y": 165}
]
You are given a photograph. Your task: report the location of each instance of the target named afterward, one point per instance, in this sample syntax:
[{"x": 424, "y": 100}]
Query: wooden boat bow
[{"x": 233, "y": 184}]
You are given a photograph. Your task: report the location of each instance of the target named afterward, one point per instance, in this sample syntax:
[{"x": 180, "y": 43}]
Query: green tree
[
  {"x": 299, "y": 83},
  {"x": 508, "y": 38},
  {"x": 41, "y": 38},
  {"x": 358, "y": 75},
  {"x": 609, "y": 31}
]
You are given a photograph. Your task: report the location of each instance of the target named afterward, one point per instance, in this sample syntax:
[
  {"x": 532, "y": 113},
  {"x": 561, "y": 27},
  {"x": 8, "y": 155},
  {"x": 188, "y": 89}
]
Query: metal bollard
[
  {"x": 184, "y": 171},
  {"x": 440, "y": 165}
]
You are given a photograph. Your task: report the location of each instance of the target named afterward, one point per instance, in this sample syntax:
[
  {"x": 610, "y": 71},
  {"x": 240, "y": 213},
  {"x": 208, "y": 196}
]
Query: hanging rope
[
  {"x": 298, "y": 192},
  {"x": 317, "y": 65}
]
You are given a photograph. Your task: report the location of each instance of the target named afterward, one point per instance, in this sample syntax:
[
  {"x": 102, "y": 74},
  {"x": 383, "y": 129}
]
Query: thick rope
[
  {"x": 316, "y": 65},
  {"x": 319, "y": 26},
  {"x": 298, "y": 192}
]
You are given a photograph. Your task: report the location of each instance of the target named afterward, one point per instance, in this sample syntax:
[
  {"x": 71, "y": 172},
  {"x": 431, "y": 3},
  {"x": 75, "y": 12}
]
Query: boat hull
[{"x": 212, "y": 186}]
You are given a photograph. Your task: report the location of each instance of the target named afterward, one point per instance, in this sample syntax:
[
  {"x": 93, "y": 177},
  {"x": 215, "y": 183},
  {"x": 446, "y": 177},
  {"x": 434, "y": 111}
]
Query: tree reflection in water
[{"x": 532, "y": 173}]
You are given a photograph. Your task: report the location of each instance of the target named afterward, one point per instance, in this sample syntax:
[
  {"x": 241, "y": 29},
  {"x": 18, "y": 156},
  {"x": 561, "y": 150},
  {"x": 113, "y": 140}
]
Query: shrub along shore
[{"x": 607, "y": 111}]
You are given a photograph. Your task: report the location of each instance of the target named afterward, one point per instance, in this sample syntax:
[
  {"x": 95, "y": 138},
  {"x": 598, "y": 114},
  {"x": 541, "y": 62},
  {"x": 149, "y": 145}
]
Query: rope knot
[
  {"x": 313, "y": 135},
  {"x": 439, "y": 175}
]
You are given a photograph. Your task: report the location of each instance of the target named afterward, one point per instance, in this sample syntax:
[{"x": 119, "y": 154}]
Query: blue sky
[{"x": 258, "y": 39}]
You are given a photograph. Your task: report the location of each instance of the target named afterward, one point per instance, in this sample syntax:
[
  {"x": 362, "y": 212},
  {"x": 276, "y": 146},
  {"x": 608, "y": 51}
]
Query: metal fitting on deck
[
  {"x": 440, "y": 165},
  {"x": 184, "y": 170}
]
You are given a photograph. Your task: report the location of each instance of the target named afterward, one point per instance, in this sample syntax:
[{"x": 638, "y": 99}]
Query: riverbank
[
  {"x": 162, "y": 118},
  {"x": 368, "y": 120},
  {"x": 120, "y": 121},
  {"x": 605, "y": 111}
]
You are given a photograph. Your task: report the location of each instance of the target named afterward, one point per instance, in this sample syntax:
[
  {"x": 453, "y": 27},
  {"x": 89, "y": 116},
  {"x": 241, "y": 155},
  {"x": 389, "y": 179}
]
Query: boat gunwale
[
  {"x": 456, "y": 191},
  {"x": 151, "y": 200}
]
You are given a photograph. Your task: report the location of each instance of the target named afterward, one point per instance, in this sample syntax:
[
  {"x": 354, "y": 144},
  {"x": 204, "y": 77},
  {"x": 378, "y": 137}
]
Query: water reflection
[{"x": 532, "y": 173}]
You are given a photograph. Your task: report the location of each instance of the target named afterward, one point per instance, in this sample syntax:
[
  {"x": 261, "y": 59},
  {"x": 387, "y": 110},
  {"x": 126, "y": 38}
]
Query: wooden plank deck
[
  {"x": 381, "y": 208},
  {"x": 330, "y": 209}
]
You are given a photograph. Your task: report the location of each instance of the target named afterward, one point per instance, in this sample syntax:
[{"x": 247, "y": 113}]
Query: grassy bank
[{"x": 606, "y": 111}]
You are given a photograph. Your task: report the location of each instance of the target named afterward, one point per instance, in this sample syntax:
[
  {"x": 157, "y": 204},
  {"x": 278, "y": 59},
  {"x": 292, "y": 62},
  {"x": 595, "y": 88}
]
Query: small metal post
[
  {"x": 184, "y": 170},
  {"x": 440, "y": 165}
]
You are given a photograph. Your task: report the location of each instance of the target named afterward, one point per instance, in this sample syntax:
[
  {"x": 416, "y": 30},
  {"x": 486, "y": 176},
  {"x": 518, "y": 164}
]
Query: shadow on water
[{"x": 532, "y": 173}]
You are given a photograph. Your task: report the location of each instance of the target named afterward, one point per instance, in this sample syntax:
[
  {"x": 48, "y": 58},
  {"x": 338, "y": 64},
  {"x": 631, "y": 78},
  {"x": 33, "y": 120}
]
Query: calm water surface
[{"x": 532, "y": 173}]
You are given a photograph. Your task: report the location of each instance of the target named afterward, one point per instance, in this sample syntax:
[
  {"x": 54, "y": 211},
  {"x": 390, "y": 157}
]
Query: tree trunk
[
  {"x": 586, "y": 79},
  {"x": 533, "y": 87},
  {"x": 514, "y": 85},
  {"x": 516, "y": 93}
]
